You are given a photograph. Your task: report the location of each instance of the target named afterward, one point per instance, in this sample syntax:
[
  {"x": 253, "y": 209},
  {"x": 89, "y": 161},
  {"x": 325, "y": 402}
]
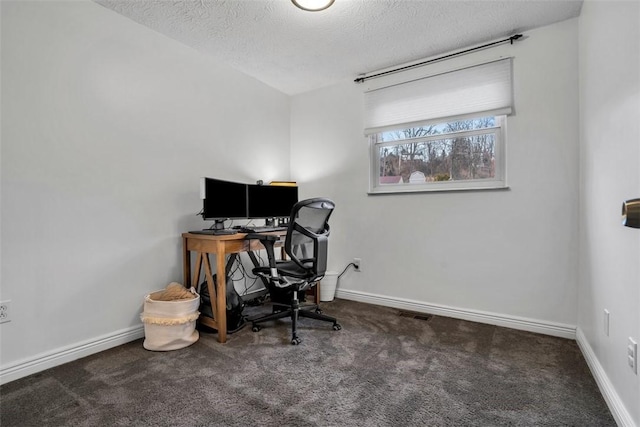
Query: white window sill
[{"x": 408, "y": 188}]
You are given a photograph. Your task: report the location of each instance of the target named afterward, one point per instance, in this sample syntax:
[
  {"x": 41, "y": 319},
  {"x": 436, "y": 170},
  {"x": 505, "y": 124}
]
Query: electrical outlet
[
  {"x": 632, "y": 355},
  {"x": 356, "y": 263},
  {"x": 5, "y": 313},
  {"x": 606, "y": 322}
]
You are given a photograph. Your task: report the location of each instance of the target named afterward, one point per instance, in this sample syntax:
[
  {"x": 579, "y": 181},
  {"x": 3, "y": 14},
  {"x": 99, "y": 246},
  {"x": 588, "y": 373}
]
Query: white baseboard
[
  {"x": 514, "y": 322},
  {"x": 67, "y": 354},
  {"x": 617, "y": 408}
]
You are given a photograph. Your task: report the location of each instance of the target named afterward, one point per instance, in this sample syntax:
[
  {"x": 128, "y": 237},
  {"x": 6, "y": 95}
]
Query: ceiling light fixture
[{"x": 313, "y": 5}]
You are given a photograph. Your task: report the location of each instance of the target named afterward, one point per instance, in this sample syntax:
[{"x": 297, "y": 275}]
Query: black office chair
[{"x": 306, "y": 245}]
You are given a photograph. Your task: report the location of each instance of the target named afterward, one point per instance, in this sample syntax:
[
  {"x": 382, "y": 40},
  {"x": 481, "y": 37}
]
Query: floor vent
[{"x": 415, "y": 315}]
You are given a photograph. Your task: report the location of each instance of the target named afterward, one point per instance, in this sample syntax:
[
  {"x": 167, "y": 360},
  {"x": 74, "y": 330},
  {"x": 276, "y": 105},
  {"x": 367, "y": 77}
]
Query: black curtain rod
[{"x": 395, "y": 70}]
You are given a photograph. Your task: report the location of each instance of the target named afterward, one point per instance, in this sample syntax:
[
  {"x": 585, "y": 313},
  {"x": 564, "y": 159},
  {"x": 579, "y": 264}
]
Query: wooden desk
[{"x": 220, "y": 246}]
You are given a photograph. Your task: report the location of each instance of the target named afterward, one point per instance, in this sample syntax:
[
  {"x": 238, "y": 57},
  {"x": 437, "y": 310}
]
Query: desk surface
[{"x": 236, "y": 236}]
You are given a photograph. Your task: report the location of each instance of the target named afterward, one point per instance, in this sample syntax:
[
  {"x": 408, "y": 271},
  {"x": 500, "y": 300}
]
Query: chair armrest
[{"x": 268, "y": 241}]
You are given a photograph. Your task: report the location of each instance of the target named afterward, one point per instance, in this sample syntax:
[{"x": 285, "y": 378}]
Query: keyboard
[
  {"x": 215, "y": 232},
  {"x": 260, "y": 229}
]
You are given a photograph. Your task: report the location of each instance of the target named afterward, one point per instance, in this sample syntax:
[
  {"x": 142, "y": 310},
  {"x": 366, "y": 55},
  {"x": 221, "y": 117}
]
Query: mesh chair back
[{"x": 307, "y": 237}]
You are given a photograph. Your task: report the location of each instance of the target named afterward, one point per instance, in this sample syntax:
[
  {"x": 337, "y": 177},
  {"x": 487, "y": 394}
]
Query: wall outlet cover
[{"x": 5, "y": 311}]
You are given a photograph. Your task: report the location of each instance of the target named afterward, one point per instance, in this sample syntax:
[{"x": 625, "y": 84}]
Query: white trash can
[
  {"x": 328, "y": 286},
  {"x": 170, "y": 325}
]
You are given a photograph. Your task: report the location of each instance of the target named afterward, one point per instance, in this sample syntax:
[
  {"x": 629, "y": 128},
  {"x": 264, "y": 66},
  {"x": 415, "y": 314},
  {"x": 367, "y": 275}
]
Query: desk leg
[
  {"x": 221, "y": 292},
  {"x": 186, "y": 264},
  {"x": 196, "y": 274},
  {"x": 316, "y": 294}
]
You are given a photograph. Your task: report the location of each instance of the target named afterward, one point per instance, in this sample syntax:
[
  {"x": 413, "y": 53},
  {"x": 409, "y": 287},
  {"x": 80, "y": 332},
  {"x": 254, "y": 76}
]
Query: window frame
[{"x": 498, "y": 182}]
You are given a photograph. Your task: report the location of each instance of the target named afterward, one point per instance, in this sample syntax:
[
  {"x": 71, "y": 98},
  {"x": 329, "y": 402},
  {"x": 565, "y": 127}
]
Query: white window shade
[{"x": 484, "y": 88}]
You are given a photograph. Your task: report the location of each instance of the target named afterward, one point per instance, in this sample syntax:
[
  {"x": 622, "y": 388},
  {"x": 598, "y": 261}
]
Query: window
[
  {"x": 460, "y": 154},
  {"x": 444, "y": 132}
]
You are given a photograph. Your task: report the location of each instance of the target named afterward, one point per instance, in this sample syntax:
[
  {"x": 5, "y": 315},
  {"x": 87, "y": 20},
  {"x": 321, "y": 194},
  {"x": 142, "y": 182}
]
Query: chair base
[{"x": 294, "y": 311}]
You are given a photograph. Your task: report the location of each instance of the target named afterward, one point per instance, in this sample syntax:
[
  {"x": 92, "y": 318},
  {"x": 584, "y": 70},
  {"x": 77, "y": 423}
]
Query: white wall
[
  {"x": 107, "y": 127},
  {"x": 610, "y": 165},
  {"x": 510, "y": 254}
]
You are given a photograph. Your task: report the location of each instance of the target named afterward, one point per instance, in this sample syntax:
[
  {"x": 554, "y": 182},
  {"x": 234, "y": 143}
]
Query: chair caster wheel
[
  {"x": 296, "y": 341},
  {"x": 318, "y": 311},
  {"x": 336, "y": 327},
  {"x": 255, "y": 328}
]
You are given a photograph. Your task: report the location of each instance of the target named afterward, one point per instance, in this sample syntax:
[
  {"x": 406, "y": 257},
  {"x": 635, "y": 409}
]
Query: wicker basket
[{"x": 170, "y": 325}]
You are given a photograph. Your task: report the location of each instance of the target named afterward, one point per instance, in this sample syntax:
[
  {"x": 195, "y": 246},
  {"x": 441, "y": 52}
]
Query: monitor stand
[{"x": 218, "y": 224}]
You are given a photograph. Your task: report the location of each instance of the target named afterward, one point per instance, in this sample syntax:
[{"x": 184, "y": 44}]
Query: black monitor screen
[
  {"x": 224, "y": 199},
  {"x": 271, "y": 201}
]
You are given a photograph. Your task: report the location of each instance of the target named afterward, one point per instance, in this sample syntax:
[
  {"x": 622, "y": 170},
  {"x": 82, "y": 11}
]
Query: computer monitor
[
  {"x": 223, "y": 200},
  {"x": 271, "y": 201}
]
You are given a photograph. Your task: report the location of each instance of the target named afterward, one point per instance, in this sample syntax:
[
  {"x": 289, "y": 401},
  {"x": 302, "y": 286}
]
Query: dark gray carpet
[{"x": 381, "y": 369}]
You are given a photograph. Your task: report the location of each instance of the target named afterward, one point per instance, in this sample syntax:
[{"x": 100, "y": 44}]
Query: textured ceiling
[{"x": 296, "y": 51}]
